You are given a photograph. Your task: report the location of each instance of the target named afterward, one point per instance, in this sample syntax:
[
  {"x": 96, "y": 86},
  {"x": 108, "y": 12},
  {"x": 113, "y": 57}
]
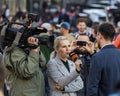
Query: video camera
[
  {"x": 18, "y": 33},
  {"x": 81, "y": 43},
  {"x": 76, "y": 52}
]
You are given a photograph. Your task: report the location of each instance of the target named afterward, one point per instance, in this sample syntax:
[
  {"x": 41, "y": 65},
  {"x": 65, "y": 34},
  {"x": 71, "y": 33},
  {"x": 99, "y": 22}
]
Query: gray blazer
[{"x": 58, "y": 73}]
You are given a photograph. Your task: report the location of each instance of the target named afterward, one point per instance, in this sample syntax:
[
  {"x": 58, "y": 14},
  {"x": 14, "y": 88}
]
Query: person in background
[
  {"x": 82, "y": 28},
  {"x": 46, "y": 47},
  {"x": 95, "y": 27},
  {"x": 5, "y": 10},
  {"x": 104, "y": 69},
  {"x": 63, "y": 17},
  {"x": 18, "y": 13},
  {"x": 63, "y": 74},
  {"x": 46, "y": 16},
  {"x": 116, "y": 40},
  {"x": 44, "y": 5},
  {"x": 24, "y": 70},
  {"x": 46, "y": 43},
  {"x": 47, "y": 26},
  {"x": 65, "y": 31},
  {"x": 56, "y": 31},
  {"x": 84, "y": 49}
]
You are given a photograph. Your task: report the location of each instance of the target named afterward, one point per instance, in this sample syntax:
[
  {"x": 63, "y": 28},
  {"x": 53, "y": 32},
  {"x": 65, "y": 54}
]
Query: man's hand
[
  {"x": 90, "y": 47},
  {"x": 78, "y": 64},
  {"x": 33, "y": 41}
]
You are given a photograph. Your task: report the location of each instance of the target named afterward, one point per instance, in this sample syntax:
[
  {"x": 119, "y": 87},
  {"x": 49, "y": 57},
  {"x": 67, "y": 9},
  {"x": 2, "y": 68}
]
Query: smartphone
[{"x": 81, "y": 43}]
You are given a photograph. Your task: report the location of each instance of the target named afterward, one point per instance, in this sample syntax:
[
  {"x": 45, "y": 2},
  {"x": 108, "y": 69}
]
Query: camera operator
[
  {"x": 84, "y": 49},
  {"x": 24, "y": 70}
]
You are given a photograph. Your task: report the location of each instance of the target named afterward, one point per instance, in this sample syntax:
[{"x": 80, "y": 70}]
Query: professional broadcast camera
[{"x": 17, "y": 33}]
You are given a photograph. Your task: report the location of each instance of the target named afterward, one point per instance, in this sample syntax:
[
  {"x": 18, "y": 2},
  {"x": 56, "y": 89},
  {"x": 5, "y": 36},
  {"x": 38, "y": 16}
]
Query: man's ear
[{"x": 99, "y": 36}]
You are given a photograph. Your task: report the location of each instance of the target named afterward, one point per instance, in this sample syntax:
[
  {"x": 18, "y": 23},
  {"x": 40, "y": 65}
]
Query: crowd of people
[{"x": 74, "y": 57}]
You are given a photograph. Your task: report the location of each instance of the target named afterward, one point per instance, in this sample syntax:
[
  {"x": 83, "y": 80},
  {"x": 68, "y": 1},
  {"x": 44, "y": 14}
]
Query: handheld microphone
[{"x": 73, "y": 56}]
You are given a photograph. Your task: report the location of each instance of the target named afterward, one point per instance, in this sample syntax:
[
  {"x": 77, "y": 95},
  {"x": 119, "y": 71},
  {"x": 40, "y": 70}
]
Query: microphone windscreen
[{"x": 73, "y": 56}]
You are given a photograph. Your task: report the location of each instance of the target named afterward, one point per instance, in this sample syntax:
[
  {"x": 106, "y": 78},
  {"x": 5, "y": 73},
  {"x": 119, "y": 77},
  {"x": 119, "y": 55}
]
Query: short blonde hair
[{"x": 58, "y": 40}]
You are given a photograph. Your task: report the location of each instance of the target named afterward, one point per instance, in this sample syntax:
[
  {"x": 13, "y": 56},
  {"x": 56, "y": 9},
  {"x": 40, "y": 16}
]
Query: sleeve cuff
[{"x": 63, "y": 89}]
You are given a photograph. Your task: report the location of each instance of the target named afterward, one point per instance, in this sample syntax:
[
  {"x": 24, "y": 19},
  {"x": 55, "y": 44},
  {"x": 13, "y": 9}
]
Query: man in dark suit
[{"x": 104, "y": 71}]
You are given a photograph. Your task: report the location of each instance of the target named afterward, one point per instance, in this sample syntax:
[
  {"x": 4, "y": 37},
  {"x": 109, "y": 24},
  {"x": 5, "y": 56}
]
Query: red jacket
[{"x": 116, "y": 42}]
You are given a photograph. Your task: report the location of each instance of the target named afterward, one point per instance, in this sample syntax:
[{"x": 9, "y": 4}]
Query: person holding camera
[
  {"x": 63, "y": 74},
  {"x": 24, "y": 70},
  {"x": 83, "y": 48}
]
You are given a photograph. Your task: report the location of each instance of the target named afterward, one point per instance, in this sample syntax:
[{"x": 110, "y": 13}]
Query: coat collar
[
  {"x": 108, "y": 46},
  {"x": 62, "y": 67}
]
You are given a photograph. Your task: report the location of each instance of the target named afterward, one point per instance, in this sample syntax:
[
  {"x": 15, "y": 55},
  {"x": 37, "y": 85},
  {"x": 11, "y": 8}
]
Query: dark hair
[
  {"x": 95, "y": 26},
  {"x": 80, "y": 20},
  {"x": 107, "y": 30},
  {"x": 54, "y": 24}
]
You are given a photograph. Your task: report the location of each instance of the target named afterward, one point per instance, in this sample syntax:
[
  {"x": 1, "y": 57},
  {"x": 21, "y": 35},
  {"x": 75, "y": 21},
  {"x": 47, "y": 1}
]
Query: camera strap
[
  {"x": 3, "y": 30},
  {"x": 17, "y": 38},
  {"x": 2, "y": 35}
]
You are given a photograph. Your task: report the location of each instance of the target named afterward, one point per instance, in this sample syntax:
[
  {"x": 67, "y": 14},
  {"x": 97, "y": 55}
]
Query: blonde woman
[{"x": 63, "y": 74}]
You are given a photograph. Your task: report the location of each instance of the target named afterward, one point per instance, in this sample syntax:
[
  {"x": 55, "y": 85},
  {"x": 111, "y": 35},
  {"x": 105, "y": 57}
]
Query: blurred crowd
[{"x": 74, "y": 57}]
